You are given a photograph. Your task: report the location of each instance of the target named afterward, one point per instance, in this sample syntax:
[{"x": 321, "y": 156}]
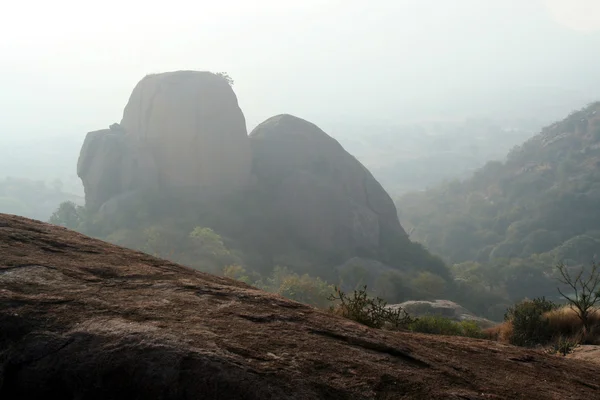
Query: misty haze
[{"x": 316, "y": 199}]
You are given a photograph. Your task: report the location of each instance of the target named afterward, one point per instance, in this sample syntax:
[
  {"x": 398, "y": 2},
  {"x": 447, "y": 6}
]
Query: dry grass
[
  {"x": 564, "y": 323},
  {"x": 501, "y": 332}
]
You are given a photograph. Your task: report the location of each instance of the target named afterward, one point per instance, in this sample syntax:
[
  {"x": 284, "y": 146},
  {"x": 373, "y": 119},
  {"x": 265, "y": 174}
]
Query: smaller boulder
[
  {"x": 112, "y": 163},
  {"x": 321, "y": 195}
]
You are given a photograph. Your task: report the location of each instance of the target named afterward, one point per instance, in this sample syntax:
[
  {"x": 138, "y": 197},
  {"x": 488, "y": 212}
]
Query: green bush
[
  {"x": 68, "y": 214},
  {"x": 471, "y": 329},
  {"x": 302, "y": 288},
  {"x": 529, "y": 325},
  {"x": 438, "y": 325},
  {"x": 306, "y": 289},
  {"x": 238, "y": 273}
]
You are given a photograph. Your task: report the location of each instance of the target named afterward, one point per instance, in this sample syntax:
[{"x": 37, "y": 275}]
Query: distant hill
[
  {"x": 411, "y": 157},
  {"x": 540, "y": 204}
]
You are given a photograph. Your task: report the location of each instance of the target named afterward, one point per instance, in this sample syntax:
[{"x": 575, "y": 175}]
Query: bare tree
[{"x": 586, "y": 287}]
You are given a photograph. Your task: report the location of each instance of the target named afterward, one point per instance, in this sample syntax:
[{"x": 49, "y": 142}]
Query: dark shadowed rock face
[
  {"x": 322, "y": 193},
  {"x": 83, "y": 319},
  {"x": 112, "y": 163}
]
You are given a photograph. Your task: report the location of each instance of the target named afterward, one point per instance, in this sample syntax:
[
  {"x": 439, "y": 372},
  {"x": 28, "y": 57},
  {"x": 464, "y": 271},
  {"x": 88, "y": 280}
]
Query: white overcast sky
[{"x": 68, "y": 66}]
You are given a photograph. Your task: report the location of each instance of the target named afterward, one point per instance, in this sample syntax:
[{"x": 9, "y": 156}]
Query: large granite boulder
[
  {"x": 325, "y": 198},
  {"x": 112, "y": 163},
  {"x": 192, "y": 124}
]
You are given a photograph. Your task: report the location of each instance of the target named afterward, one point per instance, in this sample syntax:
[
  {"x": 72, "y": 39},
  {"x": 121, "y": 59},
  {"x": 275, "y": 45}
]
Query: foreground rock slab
[{"x": 83, "y": 319}]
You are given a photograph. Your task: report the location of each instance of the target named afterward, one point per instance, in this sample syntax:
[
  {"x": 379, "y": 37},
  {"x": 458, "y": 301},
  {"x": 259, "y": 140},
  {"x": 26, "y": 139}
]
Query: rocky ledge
[{"x": 83, "y": 319}]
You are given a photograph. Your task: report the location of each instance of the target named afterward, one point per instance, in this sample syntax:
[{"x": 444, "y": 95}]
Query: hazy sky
[{"x": 68, "y": 66}]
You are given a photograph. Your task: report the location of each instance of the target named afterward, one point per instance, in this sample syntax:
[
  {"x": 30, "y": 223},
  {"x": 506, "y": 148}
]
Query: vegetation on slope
[
  {"x": 232, "y": 237},
  {"x": 506, "y": 227}
]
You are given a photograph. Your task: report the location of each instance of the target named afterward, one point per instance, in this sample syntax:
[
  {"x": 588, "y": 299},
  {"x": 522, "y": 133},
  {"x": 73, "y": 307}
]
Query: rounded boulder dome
[
  {"x": 324, "y": 195},
  {"x": 194, "y": 127}
]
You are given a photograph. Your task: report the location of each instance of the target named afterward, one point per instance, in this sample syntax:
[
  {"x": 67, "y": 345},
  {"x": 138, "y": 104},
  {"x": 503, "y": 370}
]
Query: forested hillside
[{"x": 512, "y": 221}]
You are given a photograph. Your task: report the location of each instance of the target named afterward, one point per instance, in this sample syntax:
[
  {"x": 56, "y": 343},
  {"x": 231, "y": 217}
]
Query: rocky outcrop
[
  {"x": 112, "y": 163},
  {"x": 586, "y": 353},
  {"x": 320, "y": 192},
  {"x": 442, "y": 308},
  {"x": 194, "y": 128},
  {"x": 299, "y": 199},
  {"x": 82, "y": 319},
  {"x": 180, "y": 130}
]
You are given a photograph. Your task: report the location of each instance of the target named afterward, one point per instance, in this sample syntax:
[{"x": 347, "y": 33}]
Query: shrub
[
  {"x": 306, "y": 289},
  {"x": 68, "y": 214},
  {"x": 439, "y": 325},
  {"x": 471, "y": 329},
  {"x": 369, "y": 311},
  {"x": 501, "y": 332},
  {"x": 435, "y": 324},
  {"x": 237, "y": 272},
  {"x": 302, "y": 288},
  {"x": 431, "y": 285},
  {"x": 529, "y": 326},
  {"x": 563, "y": 346}
]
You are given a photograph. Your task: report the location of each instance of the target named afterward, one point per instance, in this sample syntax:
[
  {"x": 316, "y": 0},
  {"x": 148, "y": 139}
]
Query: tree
[
  {"x": 306, "y": 289},
  {"x": 237, "y": 272},
  {"x": 210, "y": 250},
  {"x": 68, "y": 215},
  {"x": 302, "y": 288},
  {"x": 586, "y": 288},
  {"x": 431, "y": 285}
]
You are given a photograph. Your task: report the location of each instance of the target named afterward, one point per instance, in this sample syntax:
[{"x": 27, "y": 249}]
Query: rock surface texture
[
  {"x": 324, "y": 195},
  {"x": 83, "y": 319},
  {"x": 194, "y": 127}
]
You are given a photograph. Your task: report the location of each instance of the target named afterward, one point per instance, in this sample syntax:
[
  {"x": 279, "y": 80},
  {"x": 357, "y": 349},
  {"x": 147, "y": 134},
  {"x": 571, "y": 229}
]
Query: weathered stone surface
[
  {"x": 83, "y": 319},
  {"x": 194, "y": 128},
  {"x": 326, "y": 197},
  {"x": 111, "y": 163},
  {"x": 586, "y": 353}
]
